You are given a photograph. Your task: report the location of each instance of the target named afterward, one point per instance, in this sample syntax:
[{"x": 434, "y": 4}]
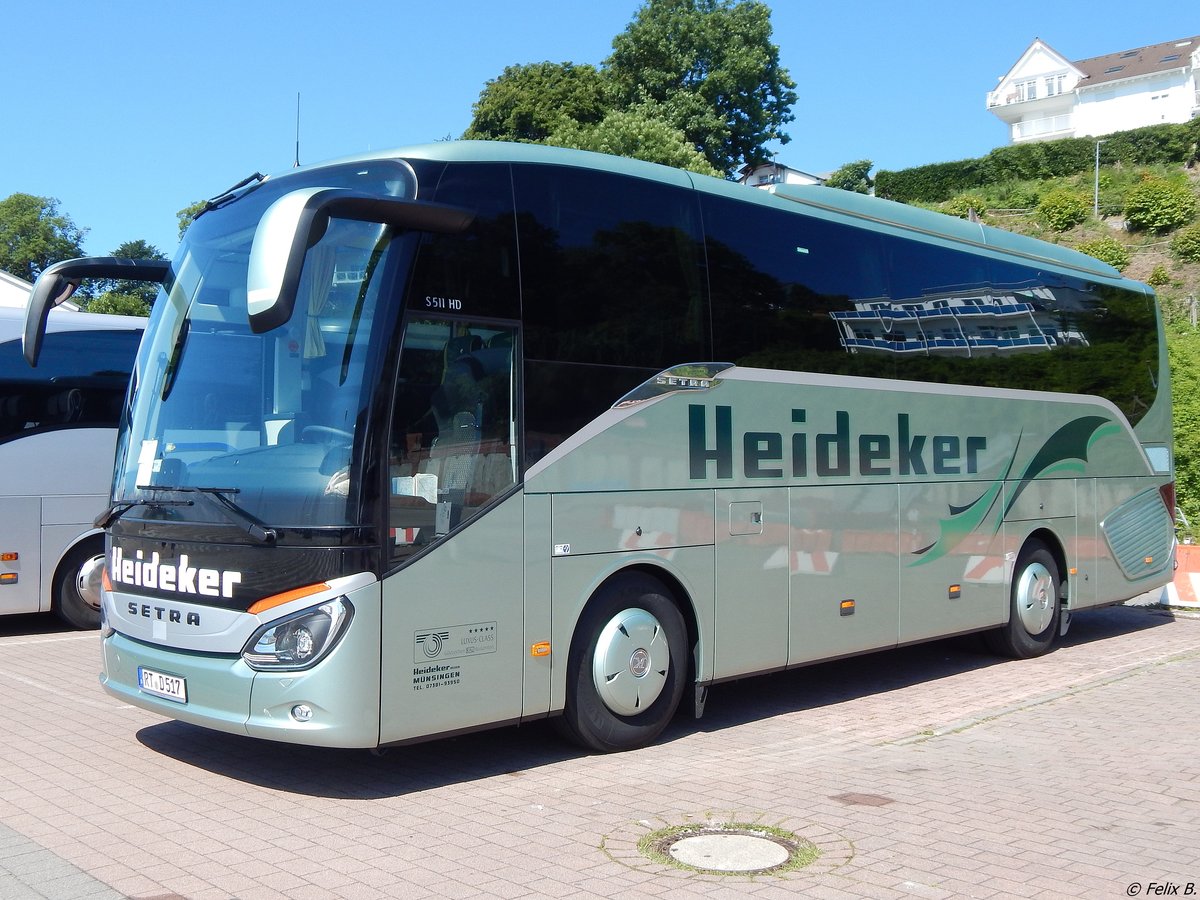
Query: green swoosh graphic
[{"x": 1064, "y": 451}]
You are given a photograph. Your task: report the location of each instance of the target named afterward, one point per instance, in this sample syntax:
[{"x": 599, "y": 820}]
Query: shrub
[
  {"x": 1160, "y": 204},
  {"x": 1186, "y": 244},
  {"x": 1159, "y": 276},
  {"x": 1061, "y": 209},
  {"x": 1106, "y": 249},
  {"x": 962, "y": 205}
]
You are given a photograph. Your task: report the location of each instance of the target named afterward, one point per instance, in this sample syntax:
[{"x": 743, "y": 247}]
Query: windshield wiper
[
  {"x": 253, "y": 526},
  {"x": 230, "y": 195},
  {"x": 116, "y": 510}
]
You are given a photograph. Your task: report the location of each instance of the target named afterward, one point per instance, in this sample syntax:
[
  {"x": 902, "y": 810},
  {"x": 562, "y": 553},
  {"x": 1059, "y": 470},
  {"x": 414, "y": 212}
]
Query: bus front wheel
[
  {"x": 627, "y": 667},
  {"x": 77, "y": 586},
  {"x": 1034, "y": 608}
]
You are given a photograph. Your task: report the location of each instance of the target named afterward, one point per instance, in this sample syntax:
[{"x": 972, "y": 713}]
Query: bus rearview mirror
[
  {"x": 297, "y": 221},
  {"x": 58, "y": 282}
]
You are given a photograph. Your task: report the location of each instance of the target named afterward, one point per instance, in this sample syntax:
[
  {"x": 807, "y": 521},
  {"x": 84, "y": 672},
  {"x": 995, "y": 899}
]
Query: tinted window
[
  {"x": 473, "y": 273},
  {"x": 793, "y": 292},
  {"x": 1035, "y": 330},
  {"x": 610, "y": 269},
  {"x": 81, "y": 379},
  {"x": 613, "y": 292},
  {"x": 778, "y": 277}
]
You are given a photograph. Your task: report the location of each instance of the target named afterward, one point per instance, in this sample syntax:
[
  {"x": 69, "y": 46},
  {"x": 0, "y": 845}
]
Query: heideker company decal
[{"x": 431, "y": 646}]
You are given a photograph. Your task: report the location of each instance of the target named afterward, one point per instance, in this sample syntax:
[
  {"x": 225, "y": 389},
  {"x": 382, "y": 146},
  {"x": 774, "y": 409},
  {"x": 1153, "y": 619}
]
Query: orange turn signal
[{"x": 286, "y": 597}]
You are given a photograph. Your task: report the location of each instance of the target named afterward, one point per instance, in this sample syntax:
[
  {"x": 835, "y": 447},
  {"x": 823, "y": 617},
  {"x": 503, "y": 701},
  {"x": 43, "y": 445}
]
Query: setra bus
[
  {"x": 58, "y": 428},
  {"x": 471, "y": 434}
]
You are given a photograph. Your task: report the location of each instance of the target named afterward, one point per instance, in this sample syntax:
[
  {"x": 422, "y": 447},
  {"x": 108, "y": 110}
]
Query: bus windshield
[{"x": 270, "y": 421}]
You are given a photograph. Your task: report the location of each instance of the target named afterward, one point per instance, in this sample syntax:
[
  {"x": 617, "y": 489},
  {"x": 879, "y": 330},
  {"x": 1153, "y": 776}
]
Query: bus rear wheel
[
  {"x": 627, "y": 667},
  {"x": 1034, "y": 609},
  {"x": 77, "y": 586}
]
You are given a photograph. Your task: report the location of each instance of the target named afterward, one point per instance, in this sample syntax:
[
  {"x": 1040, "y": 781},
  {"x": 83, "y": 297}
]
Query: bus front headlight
[{"x": 301, "y": 640}]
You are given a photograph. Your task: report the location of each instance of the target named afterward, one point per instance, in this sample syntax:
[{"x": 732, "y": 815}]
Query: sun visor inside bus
[
  {"x": 58, "y": 282},
  {"x": 297, "y": 221}
]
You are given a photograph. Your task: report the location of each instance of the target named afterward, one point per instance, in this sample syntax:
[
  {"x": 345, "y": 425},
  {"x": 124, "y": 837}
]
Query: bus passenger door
[
  {"x": 842, "y": 562},
  {"x": 752, "y": 588}
]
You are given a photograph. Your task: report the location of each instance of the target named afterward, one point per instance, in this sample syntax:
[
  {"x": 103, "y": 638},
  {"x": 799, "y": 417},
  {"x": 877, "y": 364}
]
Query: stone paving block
[{"x": 1056, "y": 777}]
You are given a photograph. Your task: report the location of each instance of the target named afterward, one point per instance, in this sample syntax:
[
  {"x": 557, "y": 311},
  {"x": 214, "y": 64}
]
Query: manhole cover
[
  {"x": 729, "y": 852},
  {"x": 729, "y": 848}
]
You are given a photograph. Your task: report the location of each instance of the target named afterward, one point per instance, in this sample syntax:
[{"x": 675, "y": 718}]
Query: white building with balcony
[
  {"x": 1046, "y": 96},
  {"x": 767, "y": 175}
]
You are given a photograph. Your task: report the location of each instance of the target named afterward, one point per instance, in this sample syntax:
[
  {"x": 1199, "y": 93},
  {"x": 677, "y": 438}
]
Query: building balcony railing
[{"x": 1041, "y": 128}]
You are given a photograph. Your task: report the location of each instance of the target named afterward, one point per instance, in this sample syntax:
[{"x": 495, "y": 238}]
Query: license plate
[{"x": 171, "y": 687}]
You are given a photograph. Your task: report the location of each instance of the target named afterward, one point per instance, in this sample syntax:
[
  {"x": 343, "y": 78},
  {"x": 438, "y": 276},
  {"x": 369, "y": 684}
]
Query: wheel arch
[
  {"x": 91, "y": 537},
  {"x": 1049, "y": 539},
  {"x": 681, "y": 597}
]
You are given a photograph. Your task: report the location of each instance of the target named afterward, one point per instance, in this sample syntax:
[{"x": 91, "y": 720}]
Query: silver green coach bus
[{"x": 472, "y": 434}]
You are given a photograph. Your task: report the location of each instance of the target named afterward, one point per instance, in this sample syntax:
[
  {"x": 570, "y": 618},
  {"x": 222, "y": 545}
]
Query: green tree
[
  {"x": 142, "y": 292},
  {"x": 528, "y": 102},
  {"x": 118, "y": 304},
  {"x": 34, "y": 234},
  {"x": 711, "y": 67},
  {"x": 188, "y": 214},
  {"x": 853, "y": 176},
  {"x": 638, "y": 134}
]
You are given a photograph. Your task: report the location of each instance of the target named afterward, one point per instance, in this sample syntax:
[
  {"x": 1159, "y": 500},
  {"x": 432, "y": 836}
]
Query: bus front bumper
[{"x": 334, "y": 704}]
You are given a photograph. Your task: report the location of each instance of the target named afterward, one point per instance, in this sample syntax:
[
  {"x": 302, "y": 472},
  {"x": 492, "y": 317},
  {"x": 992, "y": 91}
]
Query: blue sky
[{"x": 129, "y": 110}]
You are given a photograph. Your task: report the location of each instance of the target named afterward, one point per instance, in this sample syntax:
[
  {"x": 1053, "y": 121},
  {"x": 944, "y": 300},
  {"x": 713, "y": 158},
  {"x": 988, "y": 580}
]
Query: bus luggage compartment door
[{"x": 752, "y": 581}]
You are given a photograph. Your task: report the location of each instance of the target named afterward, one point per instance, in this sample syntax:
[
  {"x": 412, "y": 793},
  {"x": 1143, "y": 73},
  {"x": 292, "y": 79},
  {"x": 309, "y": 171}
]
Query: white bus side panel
[{"x": 20, "y": 533}]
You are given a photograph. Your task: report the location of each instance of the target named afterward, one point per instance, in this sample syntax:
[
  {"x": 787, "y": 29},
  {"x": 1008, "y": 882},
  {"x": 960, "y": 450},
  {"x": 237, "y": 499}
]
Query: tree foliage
[
  {"x": 853, "y": 176},
  {"x": 142, "y": 292},
  {"x": 704, "y": 70},
  {"x": 528, "y": 102},
  {"x": 638, "y": 134},
  {"x": 188, "y": 214},
  {"x": 34, "y": 234},
  {"x": 711, "y": 67},
  {"x": 118, "y": 304}
]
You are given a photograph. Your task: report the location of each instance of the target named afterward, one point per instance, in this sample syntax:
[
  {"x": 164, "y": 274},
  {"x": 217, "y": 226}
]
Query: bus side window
[{"x": 452, "y": 442}]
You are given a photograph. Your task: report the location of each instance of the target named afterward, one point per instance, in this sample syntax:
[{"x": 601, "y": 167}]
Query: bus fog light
[
  {"x": 302, "y": 712},
  {"x": 300, "y": 640}
]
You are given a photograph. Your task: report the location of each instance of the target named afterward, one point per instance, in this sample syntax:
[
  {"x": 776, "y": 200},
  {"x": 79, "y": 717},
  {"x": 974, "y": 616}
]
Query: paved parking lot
[{"x": 934, "y": 771}]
